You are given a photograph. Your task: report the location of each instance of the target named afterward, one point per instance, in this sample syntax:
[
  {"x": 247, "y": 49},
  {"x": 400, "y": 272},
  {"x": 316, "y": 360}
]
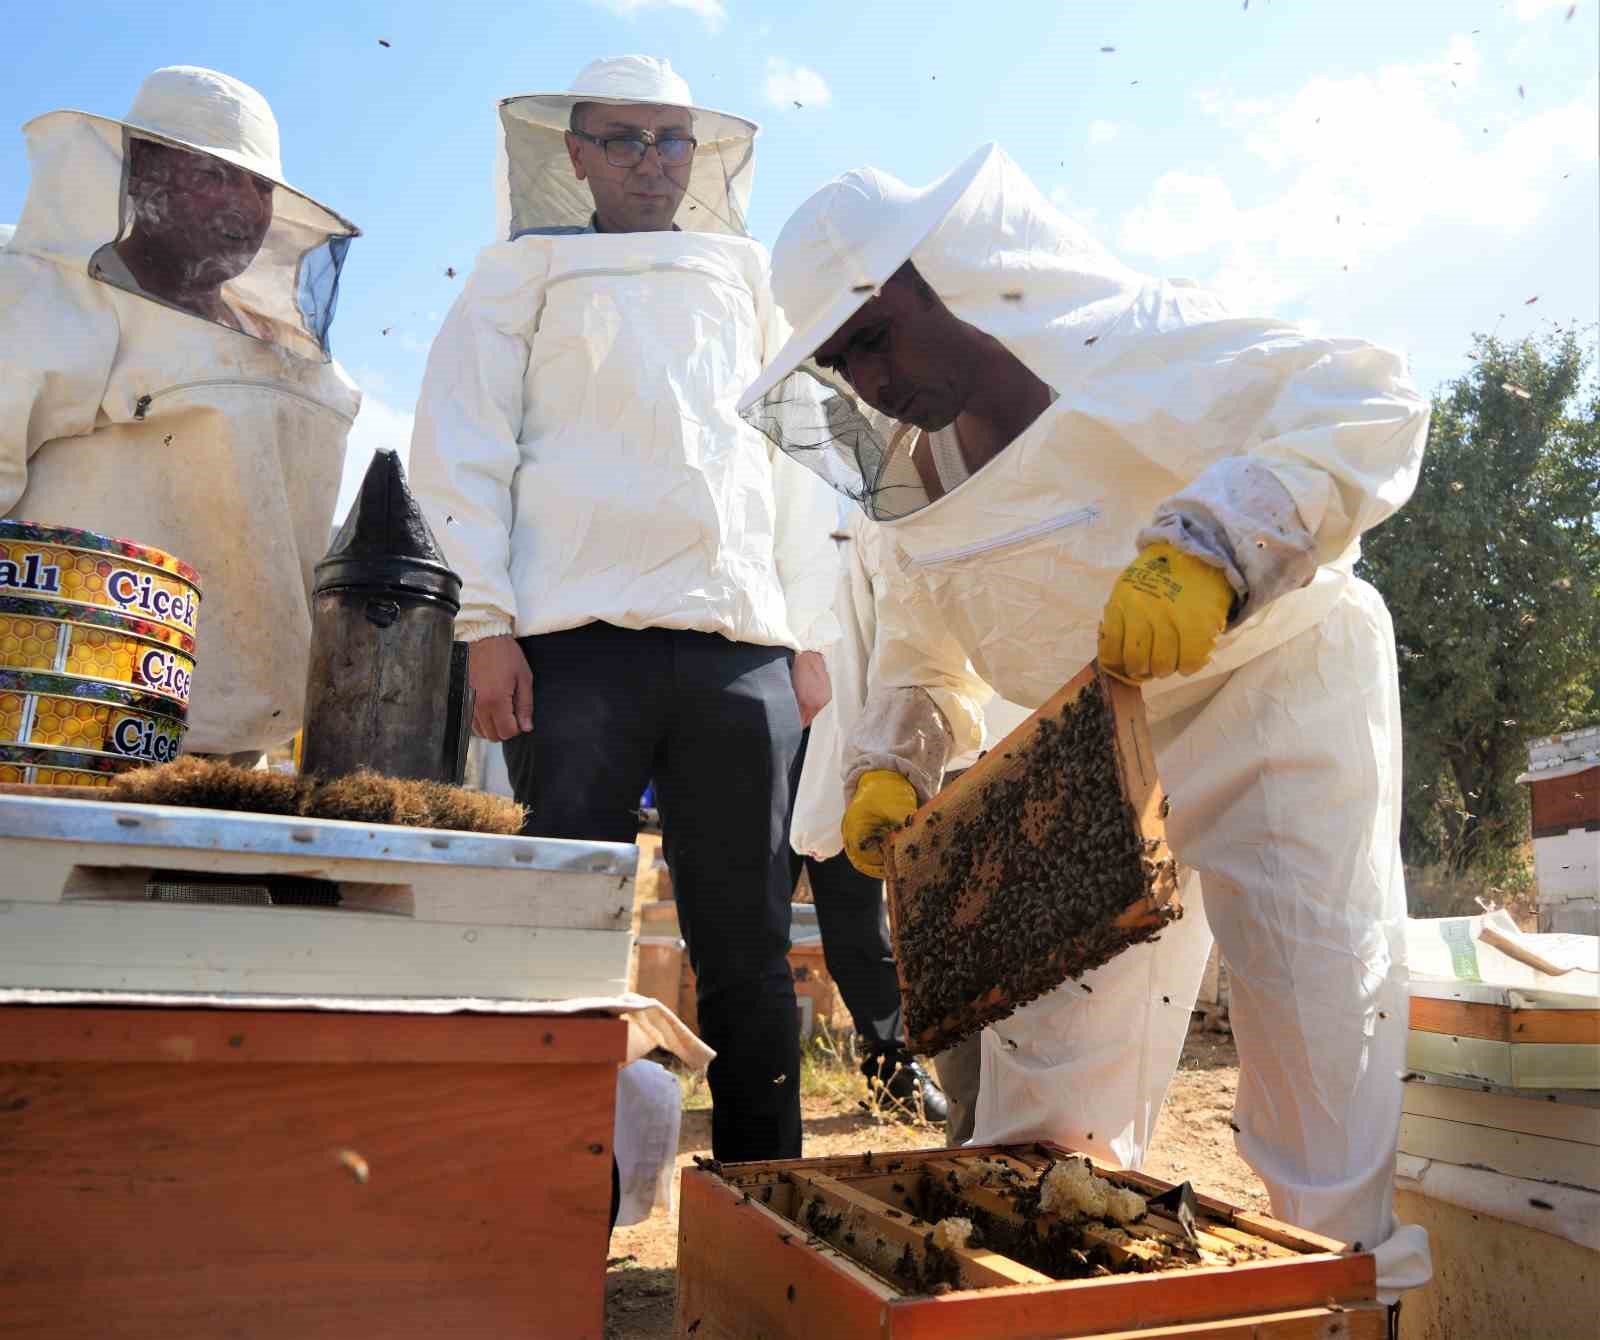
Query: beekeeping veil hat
[
  {"x": 535, "y": 183},
  {"x": 997, "y": 253},
  {"x": 80, "y": 206}
]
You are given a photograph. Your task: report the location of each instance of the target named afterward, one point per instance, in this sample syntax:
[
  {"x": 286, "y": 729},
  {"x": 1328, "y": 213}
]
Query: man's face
[
  {"x": 207, "y": 214},
  {"x": 643, "y": 198},
  {"x": 905, "y": 354}
]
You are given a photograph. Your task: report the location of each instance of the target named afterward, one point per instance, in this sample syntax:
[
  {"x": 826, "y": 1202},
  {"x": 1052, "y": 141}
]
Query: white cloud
[
  {"x": 378, "y": 427},
  {"x": 1355, "y": 167},
  {"x": 1103, "y": 132},
  {"x": 788, "y": 84},
  {"x": 713, "y": 12}
]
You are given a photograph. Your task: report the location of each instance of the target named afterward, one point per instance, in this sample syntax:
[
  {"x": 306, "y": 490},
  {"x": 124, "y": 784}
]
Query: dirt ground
[{"x": 1193, "y": 1143}]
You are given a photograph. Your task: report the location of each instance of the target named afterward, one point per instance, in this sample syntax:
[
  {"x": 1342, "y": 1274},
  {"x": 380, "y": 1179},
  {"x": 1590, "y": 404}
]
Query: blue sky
[{"x": 1409, "y": 173}]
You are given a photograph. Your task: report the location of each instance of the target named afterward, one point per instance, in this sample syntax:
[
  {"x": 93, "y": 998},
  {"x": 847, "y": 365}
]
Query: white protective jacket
[
  {"x": 577, "y": 444},
  {"x": 122, "y": 415},
  {"x": 819, "y": 801},
  {"x": 1265, "y": 449}
]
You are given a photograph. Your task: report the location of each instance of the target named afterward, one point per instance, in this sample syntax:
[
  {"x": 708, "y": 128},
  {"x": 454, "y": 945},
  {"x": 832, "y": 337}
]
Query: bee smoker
[{"x": 386, "y": 688}]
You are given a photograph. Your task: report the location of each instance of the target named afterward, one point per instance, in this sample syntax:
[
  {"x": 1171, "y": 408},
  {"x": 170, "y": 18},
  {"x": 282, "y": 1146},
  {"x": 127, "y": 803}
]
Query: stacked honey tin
[{"x": 96, "y": 654}]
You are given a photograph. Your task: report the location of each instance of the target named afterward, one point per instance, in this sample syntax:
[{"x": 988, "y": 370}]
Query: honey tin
[
  {"x": 82, "y": 568},
  {"x": 55, "y": 722}
]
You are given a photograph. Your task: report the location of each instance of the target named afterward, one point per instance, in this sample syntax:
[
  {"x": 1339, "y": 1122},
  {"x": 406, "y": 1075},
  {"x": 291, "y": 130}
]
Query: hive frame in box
[
  {"x": 421, "y": 912},
  {"x": 910, "y": 861},
  {"x": 747, "y": 1267}
]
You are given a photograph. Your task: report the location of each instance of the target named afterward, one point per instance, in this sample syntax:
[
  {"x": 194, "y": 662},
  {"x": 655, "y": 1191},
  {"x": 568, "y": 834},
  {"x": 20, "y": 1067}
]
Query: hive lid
[{"x": 385, "y": 542}]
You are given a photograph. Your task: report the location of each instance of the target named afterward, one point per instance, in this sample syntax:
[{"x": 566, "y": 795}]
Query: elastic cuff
[{"x": 475, "y": 630}]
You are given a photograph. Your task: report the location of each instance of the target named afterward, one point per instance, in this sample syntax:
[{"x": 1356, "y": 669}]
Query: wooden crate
[
  {"x": 958, "y": 869},
  {"x": 260, "y": 1174},
  {"x": 841, "y": 1247}
]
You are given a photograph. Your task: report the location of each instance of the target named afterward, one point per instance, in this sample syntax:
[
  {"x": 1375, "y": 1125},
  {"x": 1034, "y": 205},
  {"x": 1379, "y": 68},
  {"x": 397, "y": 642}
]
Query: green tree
[{"x": 1492, "y": 573}]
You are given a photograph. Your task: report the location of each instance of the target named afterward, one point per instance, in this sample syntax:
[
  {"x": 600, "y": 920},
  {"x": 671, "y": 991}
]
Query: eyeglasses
[{"x": 627, "y": 151}]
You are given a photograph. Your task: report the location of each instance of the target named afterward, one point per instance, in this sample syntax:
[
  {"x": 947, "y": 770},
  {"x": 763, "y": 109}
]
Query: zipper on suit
[
  {"x": 141, "y": 406},
  {"x": 1079, "y": 517}
]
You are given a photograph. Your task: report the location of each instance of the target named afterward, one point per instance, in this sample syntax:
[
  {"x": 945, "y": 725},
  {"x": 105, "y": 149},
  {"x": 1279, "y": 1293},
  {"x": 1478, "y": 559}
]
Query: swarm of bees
[{"x": 1012, "y": 894}]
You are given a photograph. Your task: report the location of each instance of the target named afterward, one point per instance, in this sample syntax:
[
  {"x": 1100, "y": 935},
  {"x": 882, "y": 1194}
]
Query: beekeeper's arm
[
  {"x": 464, "y": 456},
  {"x": 1334, "y": 448},
  {"x": 55, "y": 358},
  {"x": 807, "y": 559},
  {"x": 924, "y": 706}
]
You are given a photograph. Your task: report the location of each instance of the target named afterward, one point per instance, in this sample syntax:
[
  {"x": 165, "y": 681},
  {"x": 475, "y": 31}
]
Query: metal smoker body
[{"x": 386, "y": 687}]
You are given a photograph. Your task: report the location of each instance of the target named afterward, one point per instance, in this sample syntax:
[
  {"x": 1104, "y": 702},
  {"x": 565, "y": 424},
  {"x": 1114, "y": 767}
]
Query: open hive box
[
  {"x": 865, "y": 1246},
  {"x": 1045, "y": 859}
]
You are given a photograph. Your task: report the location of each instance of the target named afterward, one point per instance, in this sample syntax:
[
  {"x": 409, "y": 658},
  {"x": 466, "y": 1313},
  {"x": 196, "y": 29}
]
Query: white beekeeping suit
[
  {"x": 819, "y": 801},
  {"x": 1249, "y": 441},
  {"x": 217, "y": 436},
  {"x": 543, "y": 405}
]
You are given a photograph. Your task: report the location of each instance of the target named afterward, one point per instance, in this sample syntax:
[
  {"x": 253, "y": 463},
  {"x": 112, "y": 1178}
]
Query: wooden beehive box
[
  {"x": 843, "y": 1248},
  {"x": 1045, "y": 859}
]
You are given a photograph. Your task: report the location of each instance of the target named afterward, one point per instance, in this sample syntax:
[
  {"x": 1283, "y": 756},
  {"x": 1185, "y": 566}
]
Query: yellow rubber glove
[
  {"x": 883, "y": 801},
  {"x": 1164, "y": 615}
]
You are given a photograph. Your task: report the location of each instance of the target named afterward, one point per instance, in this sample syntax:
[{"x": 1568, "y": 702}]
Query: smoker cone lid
[{"x": 385, "y": 543}]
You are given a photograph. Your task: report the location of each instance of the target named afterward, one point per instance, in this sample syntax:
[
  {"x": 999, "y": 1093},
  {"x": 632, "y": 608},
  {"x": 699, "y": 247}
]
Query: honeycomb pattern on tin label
[
  {"x": 68, "y": 777},
  {"x": 28, "y": 644},
  {"x": 95, "y": 653},
  {"x": 11, "y": 710},
  {"x": 91, "y": 727},
  {"x": 100, "y": 654},
  {"x": 105, "y": 580}
]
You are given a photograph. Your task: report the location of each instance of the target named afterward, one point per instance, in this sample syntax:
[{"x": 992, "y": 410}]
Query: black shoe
[{"x": 902, "y": 1082}]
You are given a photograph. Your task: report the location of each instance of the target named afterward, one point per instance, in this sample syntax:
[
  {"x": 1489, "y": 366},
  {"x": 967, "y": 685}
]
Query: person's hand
[
  {"x": 503, "y": 683},
  {"x": 812, "y": 689},
  {"x": 883, "y": 801},
  {"x": 1165, "y": 614}
]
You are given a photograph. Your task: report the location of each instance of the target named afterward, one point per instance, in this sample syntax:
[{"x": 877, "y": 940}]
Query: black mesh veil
[{"x": 817, "y": 420}]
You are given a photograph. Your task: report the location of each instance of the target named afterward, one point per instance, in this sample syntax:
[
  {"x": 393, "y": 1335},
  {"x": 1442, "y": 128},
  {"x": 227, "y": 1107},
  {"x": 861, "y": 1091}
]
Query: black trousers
[
  {"x": 715, "y": 724},
  {"x": 855, "y": 942},
  {"x": 855, "y": 946}
]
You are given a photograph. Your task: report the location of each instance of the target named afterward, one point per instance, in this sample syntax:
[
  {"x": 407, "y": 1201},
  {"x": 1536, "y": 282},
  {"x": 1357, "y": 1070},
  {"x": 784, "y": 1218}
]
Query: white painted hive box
[{"x": 104, "y": 896}]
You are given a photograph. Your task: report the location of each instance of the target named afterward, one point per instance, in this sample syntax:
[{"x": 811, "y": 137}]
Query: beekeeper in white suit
[
  {"x": 647, "y": 583},
  {"x": 1092, "y": 460},
  {"x": 165, "y": 374},
  {"x": 816, "y": 833}
]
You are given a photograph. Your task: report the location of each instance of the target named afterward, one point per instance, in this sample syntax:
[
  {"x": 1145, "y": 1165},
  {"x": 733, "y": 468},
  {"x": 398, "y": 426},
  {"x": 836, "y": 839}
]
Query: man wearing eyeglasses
[
  {"x": 647, "y": 585},
  {"x": 636, "y": 161}
]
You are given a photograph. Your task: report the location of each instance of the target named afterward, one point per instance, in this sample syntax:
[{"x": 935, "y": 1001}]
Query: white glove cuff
[
  {"x": 899, "y": 730},
  {"x": 1237, "y": 516}
]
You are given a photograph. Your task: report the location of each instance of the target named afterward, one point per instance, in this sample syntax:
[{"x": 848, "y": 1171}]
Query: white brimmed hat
[
  {"x": 841, "y": 246},
  {"x": 537, "y": 188},
  {"x": 213, "y": 113}
]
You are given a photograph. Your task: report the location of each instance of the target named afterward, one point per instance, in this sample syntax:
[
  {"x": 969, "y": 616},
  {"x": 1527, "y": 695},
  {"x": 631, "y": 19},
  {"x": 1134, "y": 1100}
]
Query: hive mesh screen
[{"x": 178, "y": 886}]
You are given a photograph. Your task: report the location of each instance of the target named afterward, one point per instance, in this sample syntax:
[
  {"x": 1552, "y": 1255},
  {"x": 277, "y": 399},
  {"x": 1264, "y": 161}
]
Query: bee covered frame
[{"x": 953, "y": 869}]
